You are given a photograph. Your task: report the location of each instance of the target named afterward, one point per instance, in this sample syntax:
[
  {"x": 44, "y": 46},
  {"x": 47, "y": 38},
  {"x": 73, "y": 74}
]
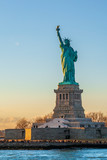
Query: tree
[
  {"x": 22, "y": 124},
  {"x": 97, "y": 117},
  {"x": 43, "y": 118}
]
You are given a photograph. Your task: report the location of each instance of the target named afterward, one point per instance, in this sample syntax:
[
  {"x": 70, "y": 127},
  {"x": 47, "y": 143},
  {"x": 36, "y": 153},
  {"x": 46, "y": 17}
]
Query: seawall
[{"x": 53, "y": 144}]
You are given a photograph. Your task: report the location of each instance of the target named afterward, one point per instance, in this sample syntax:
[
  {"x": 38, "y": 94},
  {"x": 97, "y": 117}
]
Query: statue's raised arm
[{"x": 59, "y": 36}]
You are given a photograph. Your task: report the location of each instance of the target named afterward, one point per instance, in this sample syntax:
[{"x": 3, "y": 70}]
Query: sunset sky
[{"x": 30, "y": 65}]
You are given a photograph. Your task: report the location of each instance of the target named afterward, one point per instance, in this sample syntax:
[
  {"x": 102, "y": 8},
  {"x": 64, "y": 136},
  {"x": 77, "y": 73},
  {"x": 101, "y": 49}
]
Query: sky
[{"x": 30, "y": 64}]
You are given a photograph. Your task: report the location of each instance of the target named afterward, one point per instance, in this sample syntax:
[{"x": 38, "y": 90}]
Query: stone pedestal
[{"x": 68, "y": 102}]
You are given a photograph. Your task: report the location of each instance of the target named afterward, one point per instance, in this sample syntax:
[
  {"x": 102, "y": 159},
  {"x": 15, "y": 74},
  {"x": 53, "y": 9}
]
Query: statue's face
[{"x": 67, "y": 42}]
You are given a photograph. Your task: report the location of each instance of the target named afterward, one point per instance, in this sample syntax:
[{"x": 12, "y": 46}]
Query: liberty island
[{"x": 68, "y": 121}]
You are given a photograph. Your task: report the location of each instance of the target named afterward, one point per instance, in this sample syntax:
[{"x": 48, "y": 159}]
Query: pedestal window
[
  {"x": 66, "y": 96},
  {"x": 63, "y": 96},
  {"x": 60, "y": 96}
]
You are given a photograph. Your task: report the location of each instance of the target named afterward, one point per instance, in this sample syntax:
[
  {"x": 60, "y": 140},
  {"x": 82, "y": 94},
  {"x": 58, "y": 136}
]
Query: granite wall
[
  {"x": 56, "y": 133},
  {"x": 14, "y": 134},
  {"x": 68, "y": 133},
  {"x": 49, "y": 133}
]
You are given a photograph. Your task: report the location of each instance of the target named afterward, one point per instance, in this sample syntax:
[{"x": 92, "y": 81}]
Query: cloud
[
  {"x": 17, "y": 43},
  {"x": 9, "y": 119},
  {"x": 8, "y": 122}
]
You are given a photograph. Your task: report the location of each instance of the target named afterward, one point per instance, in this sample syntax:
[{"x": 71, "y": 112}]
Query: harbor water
[{"x": 55, "y": 154}]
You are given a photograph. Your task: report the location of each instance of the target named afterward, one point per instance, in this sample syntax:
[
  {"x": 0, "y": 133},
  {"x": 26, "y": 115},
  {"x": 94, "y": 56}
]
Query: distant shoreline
[{"x": 30, "y": 145}]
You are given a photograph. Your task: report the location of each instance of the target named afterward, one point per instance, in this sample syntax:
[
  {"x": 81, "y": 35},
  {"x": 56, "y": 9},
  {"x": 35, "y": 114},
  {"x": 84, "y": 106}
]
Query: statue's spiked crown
[{"x": 67, "y": 41}]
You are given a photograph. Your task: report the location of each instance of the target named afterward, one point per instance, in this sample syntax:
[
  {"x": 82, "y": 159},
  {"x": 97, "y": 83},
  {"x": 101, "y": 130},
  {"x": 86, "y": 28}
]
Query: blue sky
[{"x": 30, "y": 66}]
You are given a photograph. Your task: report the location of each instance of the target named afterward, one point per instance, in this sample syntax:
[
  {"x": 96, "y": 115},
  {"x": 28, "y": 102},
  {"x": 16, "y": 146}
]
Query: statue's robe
[{"x": 68, "y": 57}]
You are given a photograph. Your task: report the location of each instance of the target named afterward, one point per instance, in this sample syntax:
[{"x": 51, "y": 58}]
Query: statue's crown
[{"x": 67, "y": 39}]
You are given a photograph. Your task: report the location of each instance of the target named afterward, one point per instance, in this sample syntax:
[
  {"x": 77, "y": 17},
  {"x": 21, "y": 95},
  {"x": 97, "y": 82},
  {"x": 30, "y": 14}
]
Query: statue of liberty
[{"x": 68, "y": 57}]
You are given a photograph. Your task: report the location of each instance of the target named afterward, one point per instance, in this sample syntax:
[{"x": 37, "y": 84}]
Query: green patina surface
[{"x": 68, "y": 57}]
